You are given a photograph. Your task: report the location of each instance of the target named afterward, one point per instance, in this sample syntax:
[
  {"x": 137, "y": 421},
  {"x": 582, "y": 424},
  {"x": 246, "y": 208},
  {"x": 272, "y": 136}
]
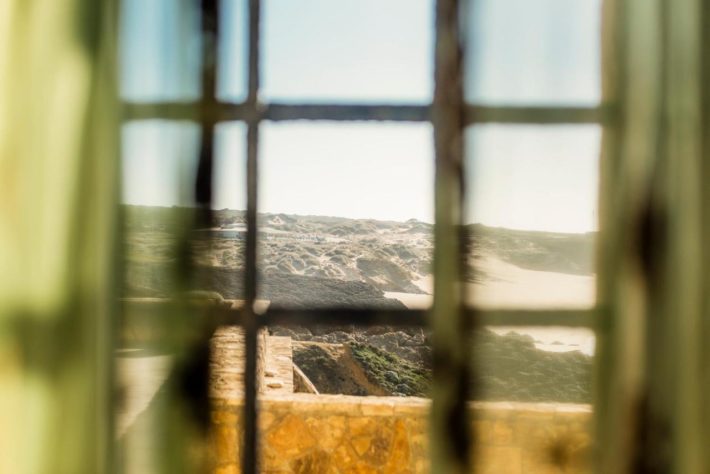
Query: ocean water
[{"x": 555, "y": 339}]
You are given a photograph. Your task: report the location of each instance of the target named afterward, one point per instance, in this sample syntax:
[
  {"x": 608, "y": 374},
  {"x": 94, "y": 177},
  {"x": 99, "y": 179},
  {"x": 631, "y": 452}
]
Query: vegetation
[{"x": 396, "y": 375}]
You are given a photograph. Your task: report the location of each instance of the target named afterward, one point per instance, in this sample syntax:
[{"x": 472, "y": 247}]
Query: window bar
[
  {"x": 581, "y": 318},
  {"x": 449, "y": 429},
  {"x": 349, "y": 112},
  {"x": 344, "y": 317},
  {"x": 210, "y": 36},
  {"x": 251, "y": 326},
  {"x": 209, "y": 11},
  {"x": 225, "y": 111}
]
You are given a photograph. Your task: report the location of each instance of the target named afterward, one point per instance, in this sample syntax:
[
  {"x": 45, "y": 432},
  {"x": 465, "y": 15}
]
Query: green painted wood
[
  {"x": 651, "y": 360},
  {"x": 674, "y": 337},
  {"x": 630, "y": 81},
  {"x": 705, "y": 230}
]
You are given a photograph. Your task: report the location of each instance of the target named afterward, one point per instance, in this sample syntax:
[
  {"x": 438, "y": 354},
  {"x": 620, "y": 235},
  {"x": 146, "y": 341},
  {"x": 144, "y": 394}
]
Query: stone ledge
[
  {"x": 337, "y": 433},
  {"x": 389, "y": 406}
]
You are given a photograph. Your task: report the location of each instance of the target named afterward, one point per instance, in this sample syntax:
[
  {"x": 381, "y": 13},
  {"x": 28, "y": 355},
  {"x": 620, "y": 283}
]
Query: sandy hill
[{"x": 311, "y": 261}]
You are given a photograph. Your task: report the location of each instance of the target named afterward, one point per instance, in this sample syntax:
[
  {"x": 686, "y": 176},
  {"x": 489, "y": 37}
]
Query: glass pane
[
  {"x": 344, "y": 434},
  {"x": 159, "y": 162},
  {"x": 346, "y": 214},
  {"x": 159, "y": 167},
  {"x": 219, "y": 248},
  {"x": 365, "y": 50},
  {"x": 533, "y": 52},
  {"x": 233, "y": 50},
  {"x": 160, "y": 50},
  {"x": 381, "y": 434},
  {"x": 534, "y": 391},
  {"x": 357, "y": 360},
  {"x": 356, "y": 401},
  {"x": 532, "y": 215},
  {"x": 533, "y": 364},
  {"x": 229, "y": 173}
]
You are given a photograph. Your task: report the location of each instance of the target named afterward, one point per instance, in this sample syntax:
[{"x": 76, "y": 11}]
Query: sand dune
[{"x": 508, "y": 286}]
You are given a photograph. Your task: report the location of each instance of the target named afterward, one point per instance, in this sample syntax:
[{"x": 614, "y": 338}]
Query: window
[
  {"x": 59, "y": 235},
  {"x": 251, "y": 57}
]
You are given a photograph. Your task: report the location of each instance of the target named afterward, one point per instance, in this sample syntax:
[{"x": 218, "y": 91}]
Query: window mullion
[
  {"x": 449, "y": 419},
  {"x": 251, "y": 326}
]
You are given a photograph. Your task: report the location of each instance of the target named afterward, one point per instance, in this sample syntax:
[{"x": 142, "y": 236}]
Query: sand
[{"x": 507, "y": 286}]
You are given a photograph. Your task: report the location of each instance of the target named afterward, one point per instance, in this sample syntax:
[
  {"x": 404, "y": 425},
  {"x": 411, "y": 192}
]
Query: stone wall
[{"x": 304, "y": 433}]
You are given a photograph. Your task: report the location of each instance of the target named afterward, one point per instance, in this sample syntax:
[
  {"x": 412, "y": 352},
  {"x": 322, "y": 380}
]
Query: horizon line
[{"x": 594, "y": 231}]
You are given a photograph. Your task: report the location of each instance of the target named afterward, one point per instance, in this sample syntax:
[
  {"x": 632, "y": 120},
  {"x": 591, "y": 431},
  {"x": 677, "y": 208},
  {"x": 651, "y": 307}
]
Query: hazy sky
[{"x": 521, "y": 52}]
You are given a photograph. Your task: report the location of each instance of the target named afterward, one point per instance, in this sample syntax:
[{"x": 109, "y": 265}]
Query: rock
[
  {"x": 391, "y": 376},
  {"x": 401, "y": 388}
]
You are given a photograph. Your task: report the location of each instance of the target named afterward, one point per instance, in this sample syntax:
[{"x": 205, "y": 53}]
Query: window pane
[
  {"x": 229, "y": 173},
  {"x": 159, "y": 167},
  {"x": 339, "y": 427},
  {"x": 532, "y": 215},
  {"x": 233, "y": 50},
  {"x": 358, "y": 402},
  {"x": 534, "y": 392},
  {"x": 356, "y": 360},
  {"x": 346, "y": 214},
  {"x": 160, "y": 50},
  {"x": 365, "y": 50},
  {"x": 219, "y": 248},
  {"x": 533, "y": 364},
  {"x": 159, "y": 162},
  {"x": 533, "y": 52}
]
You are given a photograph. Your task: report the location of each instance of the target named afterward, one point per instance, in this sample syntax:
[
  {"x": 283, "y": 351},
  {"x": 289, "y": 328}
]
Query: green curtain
[
  {"x": 652, "y": 358},
  {"x": 58, "y": 191}
]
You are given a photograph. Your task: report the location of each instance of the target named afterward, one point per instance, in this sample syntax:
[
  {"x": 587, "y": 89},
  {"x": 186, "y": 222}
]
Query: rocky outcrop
[{"x": 507, "y": 367}]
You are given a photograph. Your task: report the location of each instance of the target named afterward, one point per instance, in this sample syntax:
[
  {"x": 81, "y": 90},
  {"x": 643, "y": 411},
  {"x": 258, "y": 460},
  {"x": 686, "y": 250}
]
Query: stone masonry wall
[{"x": 313, "y": 434}]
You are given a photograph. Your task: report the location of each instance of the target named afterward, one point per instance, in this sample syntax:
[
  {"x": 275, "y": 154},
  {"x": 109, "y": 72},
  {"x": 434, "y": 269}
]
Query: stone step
[
  {"x": 227, "y": 364},
  {"x": 278, "y": 373}
]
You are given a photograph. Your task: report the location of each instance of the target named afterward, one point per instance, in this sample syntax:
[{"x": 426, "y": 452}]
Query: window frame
[{"x": 449, "y": 115}]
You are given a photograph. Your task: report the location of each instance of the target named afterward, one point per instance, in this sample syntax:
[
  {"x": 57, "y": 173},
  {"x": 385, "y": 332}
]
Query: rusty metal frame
[
  {"x": 276, "y": 112},
  {"x": 450, "y": 115}
]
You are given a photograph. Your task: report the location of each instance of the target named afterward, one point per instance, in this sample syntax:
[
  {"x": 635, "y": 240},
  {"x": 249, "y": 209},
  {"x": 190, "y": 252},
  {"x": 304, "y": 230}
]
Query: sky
[{"x": 357, "y": 51}]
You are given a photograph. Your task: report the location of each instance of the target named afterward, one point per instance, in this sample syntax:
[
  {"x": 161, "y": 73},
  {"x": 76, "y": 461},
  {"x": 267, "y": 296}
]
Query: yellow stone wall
[{"x": 313, "y": 434}]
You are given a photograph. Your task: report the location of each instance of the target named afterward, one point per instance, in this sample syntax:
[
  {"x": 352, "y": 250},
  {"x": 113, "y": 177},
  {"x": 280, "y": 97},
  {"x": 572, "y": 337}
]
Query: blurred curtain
[
  {"x": 58, "y": 192},
  {"x": 653, "y": 360}
]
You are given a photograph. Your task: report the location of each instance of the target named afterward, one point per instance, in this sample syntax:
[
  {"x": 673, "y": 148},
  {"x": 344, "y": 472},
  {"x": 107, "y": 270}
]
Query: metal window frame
[{"x": 449, "y": 115}]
